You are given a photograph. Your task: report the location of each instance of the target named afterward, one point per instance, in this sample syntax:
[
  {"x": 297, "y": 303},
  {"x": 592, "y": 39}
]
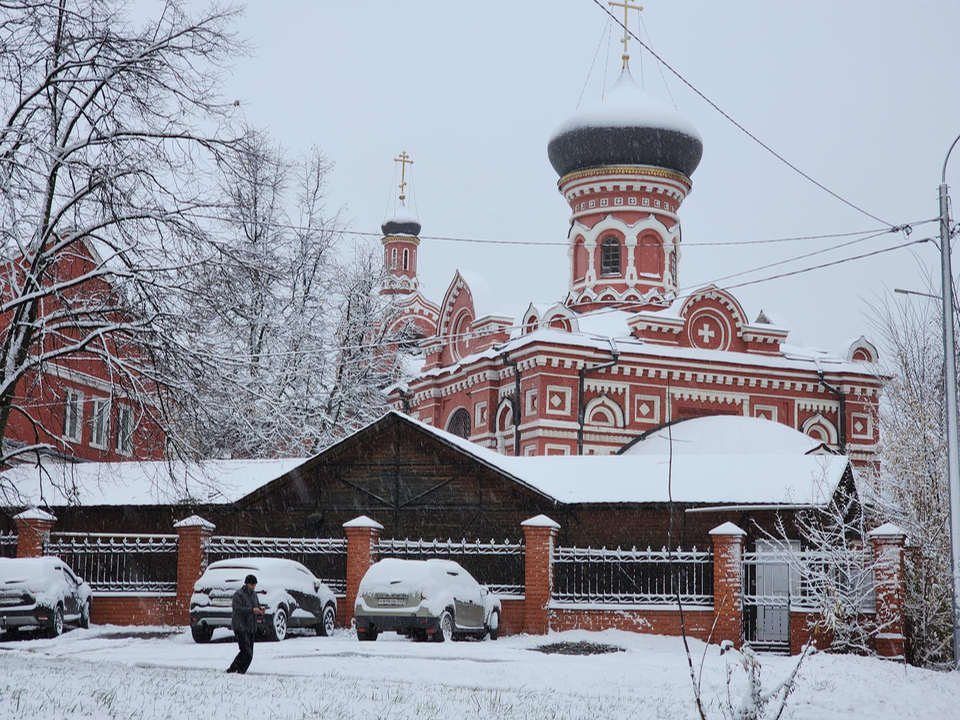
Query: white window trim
[
  {"x": 78, "y": 426},
  {"x": 104, "y": 403},
  {"x": 121, "y": 408}
]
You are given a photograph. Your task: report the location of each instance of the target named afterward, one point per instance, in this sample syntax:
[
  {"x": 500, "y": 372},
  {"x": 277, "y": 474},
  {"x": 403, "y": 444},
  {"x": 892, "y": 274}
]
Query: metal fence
[
  {"x": 778, "y": 582},
  {"x": 591, "y": 575},
  {"x": 8, "y": 545},
  {"x": 499, "y": 566},
  {"x": 324, "y": 557},
  {"x": 114, "y": 562}
]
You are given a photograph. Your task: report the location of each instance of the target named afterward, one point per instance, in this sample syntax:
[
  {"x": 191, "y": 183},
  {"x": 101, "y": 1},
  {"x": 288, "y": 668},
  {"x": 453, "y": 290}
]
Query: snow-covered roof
[
  {"x": 786, "y": 478},
  {"x": 725, "y": 435},
  {"x": 144, "y": 483}
]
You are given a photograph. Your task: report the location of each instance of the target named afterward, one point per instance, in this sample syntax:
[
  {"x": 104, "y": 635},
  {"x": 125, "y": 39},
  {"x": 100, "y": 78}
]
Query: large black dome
[
  {"x": 402, "y": 222},
  {"x": 628, "y": 128}
]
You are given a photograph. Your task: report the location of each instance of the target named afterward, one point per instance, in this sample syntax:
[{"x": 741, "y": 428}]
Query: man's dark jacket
[{"x": 244, "y": 601}]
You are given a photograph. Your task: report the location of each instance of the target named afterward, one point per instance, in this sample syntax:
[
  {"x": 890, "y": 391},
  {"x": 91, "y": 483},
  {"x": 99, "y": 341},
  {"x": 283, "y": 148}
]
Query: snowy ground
[{"x": 111, "y": 672}]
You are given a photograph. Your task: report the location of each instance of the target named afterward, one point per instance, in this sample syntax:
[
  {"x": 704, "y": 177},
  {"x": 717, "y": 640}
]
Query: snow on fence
[
  {"x": 324, "y": 557},
  {"x": 624, "y": 577},
  {"x": 115, "y": 562},
  {"x": 499, "y": 566},
  {"x": 8, "y": 545}
]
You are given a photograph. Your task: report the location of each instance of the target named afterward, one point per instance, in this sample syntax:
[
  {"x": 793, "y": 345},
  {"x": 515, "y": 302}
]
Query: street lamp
[{"x": 950, "y": 371}]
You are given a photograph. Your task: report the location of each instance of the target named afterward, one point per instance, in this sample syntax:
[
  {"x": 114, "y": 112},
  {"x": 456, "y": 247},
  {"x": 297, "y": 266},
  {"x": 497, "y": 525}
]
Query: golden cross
[
  {"x": 404, "y": 160},
  {"x": 627, "y": 7}
]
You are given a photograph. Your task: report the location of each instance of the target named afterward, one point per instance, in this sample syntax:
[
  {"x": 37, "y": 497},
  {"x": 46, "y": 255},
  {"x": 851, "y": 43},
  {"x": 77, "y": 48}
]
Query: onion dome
[
  {"x": 628, "y": 127},
  {"x": 402, "y": 222}
]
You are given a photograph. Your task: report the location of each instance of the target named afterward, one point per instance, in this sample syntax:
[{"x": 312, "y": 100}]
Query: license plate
[
  {"x": 390, "y": 602},
  {"x": 221, "y": 602},
  {"x": 10, "y": 600}
]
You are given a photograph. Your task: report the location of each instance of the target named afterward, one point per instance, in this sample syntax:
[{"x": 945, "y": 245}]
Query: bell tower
[
  {"x": 624, "y": 165},
  {"x": 401, "y": 241}
]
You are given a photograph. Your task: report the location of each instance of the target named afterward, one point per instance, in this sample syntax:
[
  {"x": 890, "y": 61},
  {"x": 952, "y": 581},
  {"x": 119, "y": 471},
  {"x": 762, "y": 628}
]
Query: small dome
[
  {"x": 402, "y": 222},
  {"x": 628, "y": 127}
]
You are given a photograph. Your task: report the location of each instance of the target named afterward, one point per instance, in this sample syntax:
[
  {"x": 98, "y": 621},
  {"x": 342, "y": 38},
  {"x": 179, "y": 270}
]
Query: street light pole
[{"x": 950, "y": 372}]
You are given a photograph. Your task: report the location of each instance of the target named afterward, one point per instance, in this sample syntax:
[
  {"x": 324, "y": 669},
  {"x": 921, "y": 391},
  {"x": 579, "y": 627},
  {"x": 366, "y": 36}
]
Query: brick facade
[
  {"x": 728, "y": 582},
  {"x": 539, "y": 535},
  {"x": 134, "y": 609},
  {"x": 33, "y": 529},
  {"x": 888, "y": 542}
]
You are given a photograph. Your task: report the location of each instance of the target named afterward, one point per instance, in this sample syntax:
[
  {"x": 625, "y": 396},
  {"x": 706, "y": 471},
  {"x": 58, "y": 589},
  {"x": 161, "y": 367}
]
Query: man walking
[{"x": 246, "y": 607}]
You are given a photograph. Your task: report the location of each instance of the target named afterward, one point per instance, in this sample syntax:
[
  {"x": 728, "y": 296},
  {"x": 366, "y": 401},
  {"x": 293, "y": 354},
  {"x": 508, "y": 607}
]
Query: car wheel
[
  {"x": 444, "y": 633},
  {"x": 277, "y": 630},
  {"x": 366, "y": 635},
  {"x": 328, "y": 621},
  {"x": 85, "y": 615},
  {"x": 56, "y": 628},
  {"x": 201, "y": 633},
  {"x": 493, "y": 625}
]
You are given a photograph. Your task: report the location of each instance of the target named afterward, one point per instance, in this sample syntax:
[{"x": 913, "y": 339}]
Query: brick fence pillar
[
  {"x": 33, "y": 530},
  {"x": 888, "y": 541},
  {"x": 728, "y": 582},
  {"x": 362, "y": 536},
  {"x": 193, "y": 536},
  {"x": 539, "y": 533}
]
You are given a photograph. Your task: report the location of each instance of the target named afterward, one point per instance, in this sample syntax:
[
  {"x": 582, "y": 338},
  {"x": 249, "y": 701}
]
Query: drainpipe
[
  {"x": 514, "y": 402},
  {"x": 842, "y": 414},
  {"x": 580, "y": 409}
]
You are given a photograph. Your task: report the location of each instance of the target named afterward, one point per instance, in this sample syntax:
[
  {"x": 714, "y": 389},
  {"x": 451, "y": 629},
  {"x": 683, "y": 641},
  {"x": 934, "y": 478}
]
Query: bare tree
[
  {"x": 292, "y": 313},
  {"x": 108, "y": 133},
  {"x": 911, "y": 490}
]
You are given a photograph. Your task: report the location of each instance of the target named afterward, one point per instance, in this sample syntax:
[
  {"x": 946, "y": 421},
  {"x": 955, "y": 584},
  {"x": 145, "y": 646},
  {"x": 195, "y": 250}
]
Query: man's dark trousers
[{"x": 243, "y": 659}]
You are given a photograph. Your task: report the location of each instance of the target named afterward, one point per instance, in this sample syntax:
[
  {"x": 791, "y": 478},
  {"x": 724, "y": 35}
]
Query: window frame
[
  {"x": 73, "y": 415},
  {"x": 100, "y": 411},
  {"x": 124, "y": 448},
  {"x": 609, "y": 243}
]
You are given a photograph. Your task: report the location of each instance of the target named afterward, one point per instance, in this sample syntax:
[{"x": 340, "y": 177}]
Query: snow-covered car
[
  {"x": 42, "y": 593},
  {"x": 289, "y": 594},
  {"x": 424, "y": 599}
]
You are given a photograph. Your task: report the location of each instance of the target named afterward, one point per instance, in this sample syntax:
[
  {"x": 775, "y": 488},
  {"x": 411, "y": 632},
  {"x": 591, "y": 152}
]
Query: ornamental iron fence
[
  {"x": 498, "y": 565},
  {"x": 324, "y": 557},
  {"x": 115, "y": 562},
  {"x": 624, "y": 577},
  {"x": 8, "y": 545}
]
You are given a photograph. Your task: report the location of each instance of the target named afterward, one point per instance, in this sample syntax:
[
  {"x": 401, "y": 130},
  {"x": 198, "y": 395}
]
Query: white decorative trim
[{"x": 565, "y": 393}]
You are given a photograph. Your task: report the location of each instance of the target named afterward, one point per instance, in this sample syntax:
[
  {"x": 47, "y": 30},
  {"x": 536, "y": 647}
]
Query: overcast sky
[{"x": 863, "y": 96}]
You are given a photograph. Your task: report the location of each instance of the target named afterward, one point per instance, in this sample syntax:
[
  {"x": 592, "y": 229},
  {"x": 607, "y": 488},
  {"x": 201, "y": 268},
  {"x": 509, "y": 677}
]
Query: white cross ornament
[{"x": 706, "y": 333}]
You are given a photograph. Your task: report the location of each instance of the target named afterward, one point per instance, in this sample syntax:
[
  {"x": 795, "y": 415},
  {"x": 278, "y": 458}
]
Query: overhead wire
[{"x": 740, "y": 127}]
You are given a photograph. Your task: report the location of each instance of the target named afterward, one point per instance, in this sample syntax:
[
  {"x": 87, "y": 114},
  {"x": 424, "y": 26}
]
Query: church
[{"x": 628, "y": 348}]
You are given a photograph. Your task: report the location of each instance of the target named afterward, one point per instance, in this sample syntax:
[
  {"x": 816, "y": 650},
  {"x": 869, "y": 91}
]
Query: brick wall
[
  {"x": 664, "y": 621},
  {"x": 139, "y": 609},
  {"x": 511, "y": 616}
]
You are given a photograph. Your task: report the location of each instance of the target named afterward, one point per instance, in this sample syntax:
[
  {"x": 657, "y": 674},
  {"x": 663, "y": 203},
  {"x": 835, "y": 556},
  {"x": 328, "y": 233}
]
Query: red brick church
[{"x": 627, "y": 348}]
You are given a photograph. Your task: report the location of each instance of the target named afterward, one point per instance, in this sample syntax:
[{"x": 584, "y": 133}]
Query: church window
[
  {"x": 673, "y": 268},
  {"x": 393, "y": 259},
  {"x": 610, "y": 257},
  {"x": 646, "y": 202},
  {"x": 406, "y": 259},
  {"x": 618, "y": 201},
  {"x": 631, "y": 201},
  {"x": 656, "y": 203},
  {"x": 459, "y": 423},
  {"x": 593, "y": 203},
  {"x": 604, "y": 202}
]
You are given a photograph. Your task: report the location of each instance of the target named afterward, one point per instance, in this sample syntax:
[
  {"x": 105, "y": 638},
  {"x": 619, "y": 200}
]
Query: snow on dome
[
  {"x": 628, "y": 127},
  {"x": 403, "y": 222},
  {"x": 725, "y": 435}
]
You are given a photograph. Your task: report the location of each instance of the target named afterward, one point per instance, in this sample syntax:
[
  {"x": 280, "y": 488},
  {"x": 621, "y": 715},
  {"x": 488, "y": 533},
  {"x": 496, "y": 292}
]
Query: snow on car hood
[
  {"x": 41, "y": 577},
  {"x": 438, "y": 581}
]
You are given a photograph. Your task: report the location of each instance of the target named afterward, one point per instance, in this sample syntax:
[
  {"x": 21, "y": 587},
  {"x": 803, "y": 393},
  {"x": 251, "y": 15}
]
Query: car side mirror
[
  {"x": 80, "y": 581},
  {"x": 484, "y": 590}
]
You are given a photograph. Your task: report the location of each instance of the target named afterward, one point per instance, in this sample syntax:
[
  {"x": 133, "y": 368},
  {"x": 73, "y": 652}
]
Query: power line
[
  {"x": 738, "y": 125},
  {"x": 549, "y": 243}
]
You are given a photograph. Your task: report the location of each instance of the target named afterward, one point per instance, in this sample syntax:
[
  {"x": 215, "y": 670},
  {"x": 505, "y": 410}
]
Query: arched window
[
  {"x": 406, "y": 258},
  {"x": 610, "y": 257},
  {"x": 673, "y": 268},
  {"x": 393, "y": 259},
  {"x": 459, "y": 423}
]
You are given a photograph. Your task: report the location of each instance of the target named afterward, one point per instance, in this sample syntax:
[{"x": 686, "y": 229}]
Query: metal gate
[{"x": 768, "y": 584}]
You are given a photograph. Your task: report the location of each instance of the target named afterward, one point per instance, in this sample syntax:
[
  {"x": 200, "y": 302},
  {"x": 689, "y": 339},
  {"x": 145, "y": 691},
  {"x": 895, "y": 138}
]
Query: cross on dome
[
  {"x": 627, "y": 7},
  {"x": 404, "y": 160}
]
